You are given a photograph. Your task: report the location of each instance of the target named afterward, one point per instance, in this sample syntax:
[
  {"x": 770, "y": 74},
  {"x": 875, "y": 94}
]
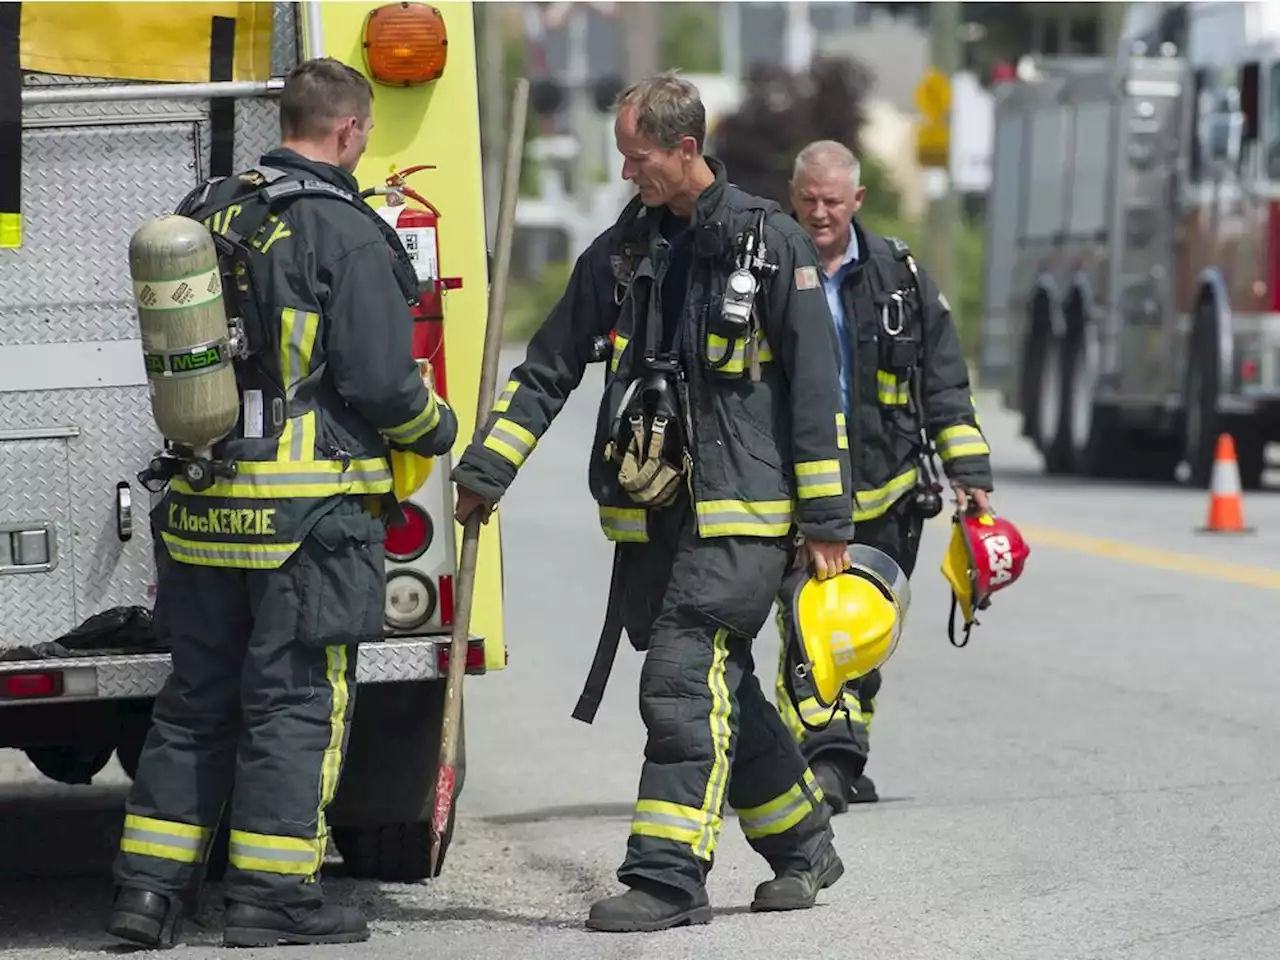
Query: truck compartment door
[{"x": 37, "y": 588}]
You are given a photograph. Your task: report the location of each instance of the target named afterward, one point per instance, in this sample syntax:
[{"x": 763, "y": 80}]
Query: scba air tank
[{"x": 178, "y": 291}]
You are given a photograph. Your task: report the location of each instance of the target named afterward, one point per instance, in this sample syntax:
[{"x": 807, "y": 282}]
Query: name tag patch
[{"x": 806, "y": 278}]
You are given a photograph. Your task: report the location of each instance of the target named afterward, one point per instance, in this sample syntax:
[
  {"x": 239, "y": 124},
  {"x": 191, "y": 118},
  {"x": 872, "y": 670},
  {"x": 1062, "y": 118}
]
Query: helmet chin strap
[{"x": 788, "y": 682}]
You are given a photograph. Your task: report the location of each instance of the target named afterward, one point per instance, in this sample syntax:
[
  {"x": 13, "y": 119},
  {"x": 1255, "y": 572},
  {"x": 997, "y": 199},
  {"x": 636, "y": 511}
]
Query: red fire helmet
[{"x": 986, "y": 554}]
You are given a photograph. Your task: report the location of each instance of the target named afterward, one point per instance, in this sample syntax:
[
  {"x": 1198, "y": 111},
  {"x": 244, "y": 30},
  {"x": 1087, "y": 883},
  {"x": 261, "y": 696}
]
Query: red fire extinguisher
[{"x": 418, "y": 230}]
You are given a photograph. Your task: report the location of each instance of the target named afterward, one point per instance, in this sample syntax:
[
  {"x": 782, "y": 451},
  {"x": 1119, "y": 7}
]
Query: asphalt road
[{"x": 1090, "y": 778}]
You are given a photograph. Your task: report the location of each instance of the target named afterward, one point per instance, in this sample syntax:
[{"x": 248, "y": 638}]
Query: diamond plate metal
[
  {"x": 37, "y": 605},
  {"x": 284, "y": 54},
  {"x": 70, "y": 279},
  {"x": 117, "y": 439},
  {"x": 143, "y": 675},
  {"x": 284, "y": 38}
]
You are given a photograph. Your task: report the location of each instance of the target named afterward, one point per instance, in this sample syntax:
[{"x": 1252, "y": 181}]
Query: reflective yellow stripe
[
  {"x": 275, "y": 480},
  {"x": 10, "y": 231},
  {"x": 718, "y": 781},
  {"x": 698, "y": 828},
  {"x": 781, "y": 813},
  {"x": 625, "y": 524},
  {"x": 510, "y": 441},
  {"x": 419, "y": 426},
  {"x": 762, "y": 518},
  {"x": 961, "y": 440},
  {"x": 891, "y": 391},
  {"x": 331, "y": 766},
  {"x": 667, "y": 821},
  {"x": 842, "y": 432},
  {"x": 297, "y": 341},
  {"x": 818, "y": 478},
  {"x": 299, "y": 856},
  {"x": 297, "y": 442},
  {"x": 718, "y": 345},
  {"x": 164, "y": 839},
  {"x": 504, "y": 399},
  {"x": 252, "y": 556},
  {"x": 870, "y": 504},
  {"x": 265, "y": 853},
  {"x": 619, "y": 347}
]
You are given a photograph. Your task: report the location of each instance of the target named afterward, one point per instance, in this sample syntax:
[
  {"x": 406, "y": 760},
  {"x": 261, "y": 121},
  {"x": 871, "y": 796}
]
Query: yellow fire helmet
[
  {"x": 849, "y": 624},
  {"x": 409, "y": 471}
]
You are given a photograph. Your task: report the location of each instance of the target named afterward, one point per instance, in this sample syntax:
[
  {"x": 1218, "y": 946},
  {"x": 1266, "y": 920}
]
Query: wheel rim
[{"x": 1050, "y": 412}]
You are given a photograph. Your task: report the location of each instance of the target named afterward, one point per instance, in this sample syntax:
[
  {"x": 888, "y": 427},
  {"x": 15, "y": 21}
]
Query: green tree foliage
[
  {"x": 781, "y": 112},
  {"x": 690, "y": 37}
]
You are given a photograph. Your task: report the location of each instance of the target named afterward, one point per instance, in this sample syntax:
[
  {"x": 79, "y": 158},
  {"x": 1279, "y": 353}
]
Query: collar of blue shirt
[{"x": 850, "y": 257}]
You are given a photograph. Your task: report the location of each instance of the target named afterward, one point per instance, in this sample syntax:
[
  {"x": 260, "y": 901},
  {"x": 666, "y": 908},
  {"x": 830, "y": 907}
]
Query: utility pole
[
  {"x": 492, "y": 81},
  {"x": 640, "y": 40},
  {"x": 944, "y": 23}
]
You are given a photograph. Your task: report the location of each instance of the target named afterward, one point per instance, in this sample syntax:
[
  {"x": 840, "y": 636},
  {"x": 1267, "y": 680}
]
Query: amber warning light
[{"x": 405, "y": 44}]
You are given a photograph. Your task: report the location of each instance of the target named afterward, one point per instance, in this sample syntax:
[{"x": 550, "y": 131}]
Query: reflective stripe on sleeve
[
  {"x": 818, "y": 478},
  {"x": 961, "y": 440},
  {"x": 510, "y": 441},
  {"x": 504, "y": 399},
  {"x": 419, "y": 426}
]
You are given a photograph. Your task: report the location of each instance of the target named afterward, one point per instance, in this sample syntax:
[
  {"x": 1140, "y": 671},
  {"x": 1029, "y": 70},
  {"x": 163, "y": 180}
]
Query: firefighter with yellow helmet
[{"x": 906, "y": 391}]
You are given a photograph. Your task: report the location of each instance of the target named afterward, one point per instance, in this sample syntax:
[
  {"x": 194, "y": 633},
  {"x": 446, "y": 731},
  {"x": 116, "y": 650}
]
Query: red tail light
[
  {"x": 20, "y": 686},
  {"x": 475, "y": 657},
  {"x": 446, "y": 600},
  {"x": 410, "y": 538},
  {"x": 428, "y": 344}
]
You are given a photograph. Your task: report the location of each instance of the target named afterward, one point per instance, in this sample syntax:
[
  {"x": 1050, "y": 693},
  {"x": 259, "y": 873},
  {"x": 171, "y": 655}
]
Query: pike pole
[{"x": 465, "y": 583}]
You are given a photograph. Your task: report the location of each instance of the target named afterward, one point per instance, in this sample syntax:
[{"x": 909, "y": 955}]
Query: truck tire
[
  {"x": 393, "y": 852},
  {"x": 1091, "y": 430},
  {"x": 1052, "y": 428},
  {"x": 1201, "y": 422},
  {"x": 380, "y": 818},
  {"x": 76, "y": 764}
]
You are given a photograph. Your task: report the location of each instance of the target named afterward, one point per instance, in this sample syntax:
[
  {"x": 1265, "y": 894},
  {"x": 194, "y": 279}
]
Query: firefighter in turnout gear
[
  {"x": 718, "y": 436},
  {"x": 268, "y": 579},
  {"x": 906, "y": 395}
]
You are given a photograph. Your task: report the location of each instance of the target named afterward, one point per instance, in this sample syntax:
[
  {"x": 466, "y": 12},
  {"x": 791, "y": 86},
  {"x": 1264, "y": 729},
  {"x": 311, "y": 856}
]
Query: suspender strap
[{"x": 606, "y": 649}]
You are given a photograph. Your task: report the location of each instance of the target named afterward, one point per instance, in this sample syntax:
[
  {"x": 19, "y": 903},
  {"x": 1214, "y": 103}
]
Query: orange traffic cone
[{"x": 1226, "y": 505}]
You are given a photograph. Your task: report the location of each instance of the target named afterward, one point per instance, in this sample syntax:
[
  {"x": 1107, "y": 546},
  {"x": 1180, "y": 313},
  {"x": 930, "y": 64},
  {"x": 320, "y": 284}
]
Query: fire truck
[
  {"x": 123, "y": 108},
  {"x": 1132, "y": 290}
]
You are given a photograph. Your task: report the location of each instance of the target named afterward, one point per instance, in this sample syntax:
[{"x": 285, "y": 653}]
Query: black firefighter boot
[
  {"x": 249, "y": 925},
  {"x": 802, "y": 872},
  {"x": 648, "y": 908},
  {"x": 148, "y": 919}
]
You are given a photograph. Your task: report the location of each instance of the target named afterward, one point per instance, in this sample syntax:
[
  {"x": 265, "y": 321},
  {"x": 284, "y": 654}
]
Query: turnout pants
[
  {"x": 260, "y": 698},
  {"x": 846, "y": 738},
  {"x": 693, "y": 605}
]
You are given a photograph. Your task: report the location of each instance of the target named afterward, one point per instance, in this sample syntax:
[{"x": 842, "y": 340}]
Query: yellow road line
[{"x": 1152, "y": 557}]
